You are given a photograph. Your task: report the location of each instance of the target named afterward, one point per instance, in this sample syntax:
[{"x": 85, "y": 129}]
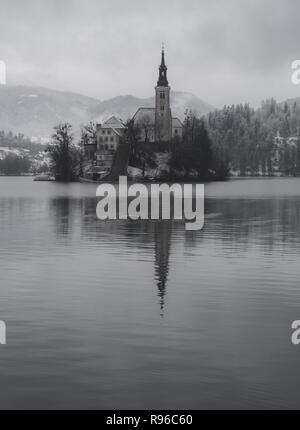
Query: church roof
[
  {"x": 149, "y": 115},
  {"x": 176, "y": 123},
  {"x": 145, "y": 113}
]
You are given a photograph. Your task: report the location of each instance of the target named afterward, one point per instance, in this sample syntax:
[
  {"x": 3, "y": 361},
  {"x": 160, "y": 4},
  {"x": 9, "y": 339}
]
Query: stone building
[
  {"x": 109, "y": 136},
  {"x": 100, "y": 157}
]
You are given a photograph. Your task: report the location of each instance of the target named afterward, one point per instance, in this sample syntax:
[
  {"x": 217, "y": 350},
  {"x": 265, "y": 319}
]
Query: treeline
[
  {"x": 17, "y": 141},
  {"x": 65, "y": 156},
  {"x": 14, "y": 165},
  {"x": 18, "y": 160},
  {"x": 244, "y": 138}
]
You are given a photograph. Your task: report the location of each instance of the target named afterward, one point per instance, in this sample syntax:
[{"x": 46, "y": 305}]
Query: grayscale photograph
[{"x": 149, "y": 207}]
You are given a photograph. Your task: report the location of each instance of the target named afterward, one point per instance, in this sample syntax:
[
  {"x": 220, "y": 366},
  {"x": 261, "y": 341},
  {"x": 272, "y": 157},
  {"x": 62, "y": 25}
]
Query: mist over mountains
[{"x": 34, "y": 111}]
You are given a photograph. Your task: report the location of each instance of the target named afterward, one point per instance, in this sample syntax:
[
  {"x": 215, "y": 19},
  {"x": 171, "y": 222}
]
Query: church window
[
  {"x": 111, "y": 139},
  {"x": 106, "y": 139},
  {"x": 162, "y": 96},
  {"x": 162, "y": 108},
  {"x": 103, "y": 131}
]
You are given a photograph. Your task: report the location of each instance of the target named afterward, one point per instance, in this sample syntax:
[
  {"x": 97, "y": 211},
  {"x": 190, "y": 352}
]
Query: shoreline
[{"x": 159, "y": 181}]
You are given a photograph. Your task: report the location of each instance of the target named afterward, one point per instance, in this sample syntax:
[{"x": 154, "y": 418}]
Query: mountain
[
  {"x": 126, "y": 106},
  {"x": 34, "y": 111}
]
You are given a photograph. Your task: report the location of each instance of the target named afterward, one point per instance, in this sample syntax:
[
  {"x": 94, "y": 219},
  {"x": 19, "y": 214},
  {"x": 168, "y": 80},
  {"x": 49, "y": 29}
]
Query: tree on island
[
  {"x": 148, "y": 128},
  {"x": 193, "y": 156},
  {"x": 65, "y": 156},
  {"x": 88, "y": 140}
]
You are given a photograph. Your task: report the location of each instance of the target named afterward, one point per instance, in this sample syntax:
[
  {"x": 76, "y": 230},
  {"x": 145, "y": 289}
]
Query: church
[
  {"x": 157, "y": 124},
  {"x": 153, "y": 125}
]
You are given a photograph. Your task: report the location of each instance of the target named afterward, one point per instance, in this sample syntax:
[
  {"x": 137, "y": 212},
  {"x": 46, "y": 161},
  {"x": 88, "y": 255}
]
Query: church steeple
[
  {"x": 163, "y": 114},
  {"x": 163, "y": 80}
]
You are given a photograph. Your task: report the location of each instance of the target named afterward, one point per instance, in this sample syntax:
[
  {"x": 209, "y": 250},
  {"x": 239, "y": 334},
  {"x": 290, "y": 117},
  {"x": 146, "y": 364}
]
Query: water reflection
[
  {"x": 62, "y": 210},
  {"x": 162, "y": 238},
  {"x": 145, "y": 314},
  {"x": 141, "y": 235},
  {"x": 234, "y": 226}
]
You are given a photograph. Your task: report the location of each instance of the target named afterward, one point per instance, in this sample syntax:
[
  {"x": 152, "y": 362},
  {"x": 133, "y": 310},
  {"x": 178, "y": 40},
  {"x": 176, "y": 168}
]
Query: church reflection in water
[
  {"x": 232, "y": 226},
  {"x": 76, "y": 221},
  {"x": 162, "y": 238}
]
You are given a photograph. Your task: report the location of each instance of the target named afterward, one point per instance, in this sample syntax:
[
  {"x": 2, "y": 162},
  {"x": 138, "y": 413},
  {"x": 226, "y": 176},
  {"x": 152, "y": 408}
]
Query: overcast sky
[{"x": 224, "y": 51}]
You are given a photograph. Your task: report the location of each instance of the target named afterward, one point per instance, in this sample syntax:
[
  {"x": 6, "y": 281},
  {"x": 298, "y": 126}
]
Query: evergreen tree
[{"x": 193, "y": 156}]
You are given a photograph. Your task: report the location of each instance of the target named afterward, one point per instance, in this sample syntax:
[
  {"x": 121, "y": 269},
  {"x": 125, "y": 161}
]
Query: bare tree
[
  {"x": 65, "y": 156},
  {"x": 88, "y": 139},
  {"x": 148, "y": 127}
]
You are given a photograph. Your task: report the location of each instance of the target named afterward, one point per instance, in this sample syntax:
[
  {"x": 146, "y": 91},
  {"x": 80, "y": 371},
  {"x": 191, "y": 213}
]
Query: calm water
[{"x": 144, "y": 314}]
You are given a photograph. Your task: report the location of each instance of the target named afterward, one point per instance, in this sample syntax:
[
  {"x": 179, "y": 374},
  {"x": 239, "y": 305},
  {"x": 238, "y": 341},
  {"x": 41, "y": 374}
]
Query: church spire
[
  {"x": 163, "y": 56},
  {"x": 163, "y": 80}
]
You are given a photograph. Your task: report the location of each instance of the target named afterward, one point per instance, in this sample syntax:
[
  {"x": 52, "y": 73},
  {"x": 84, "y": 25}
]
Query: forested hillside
[
  {"x": 245, "y": 138},
  {"x": 19, "y": 141}
]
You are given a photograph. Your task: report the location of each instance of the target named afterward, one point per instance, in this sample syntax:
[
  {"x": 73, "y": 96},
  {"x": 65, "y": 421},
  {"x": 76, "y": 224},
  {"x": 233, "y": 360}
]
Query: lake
[{"x": 135, "y": 315}]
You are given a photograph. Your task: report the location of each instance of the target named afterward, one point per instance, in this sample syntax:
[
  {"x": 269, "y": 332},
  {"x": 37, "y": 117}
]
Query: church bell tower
[{"x": 163, "y": 115}]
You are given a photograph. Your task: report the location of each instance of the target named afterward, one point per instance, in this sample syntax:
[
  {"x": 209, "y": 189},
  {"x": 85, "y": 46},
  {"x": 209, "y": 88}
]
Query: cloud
[{"x": 224, "y": 52}]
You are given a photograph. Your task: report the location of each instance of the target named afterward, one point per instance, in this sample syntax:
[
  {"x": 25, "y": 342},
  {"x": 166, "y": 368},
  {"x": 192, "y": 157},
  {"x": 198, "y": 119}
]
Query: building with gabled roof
[{"x": 109, "y": 134}]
